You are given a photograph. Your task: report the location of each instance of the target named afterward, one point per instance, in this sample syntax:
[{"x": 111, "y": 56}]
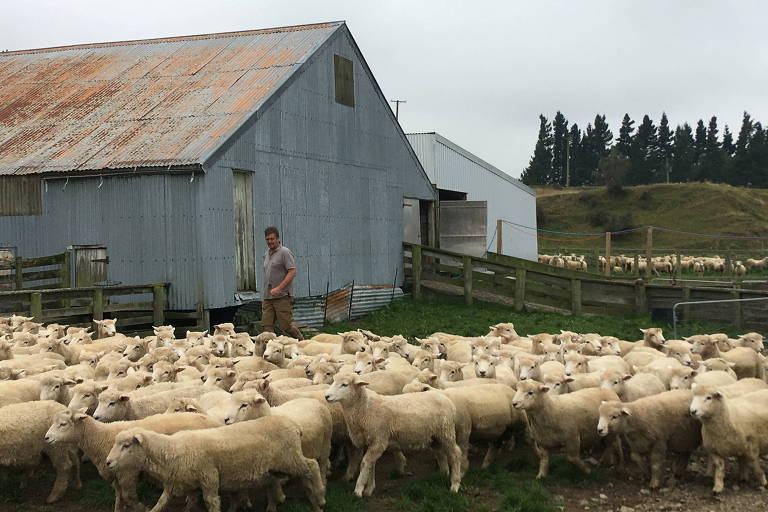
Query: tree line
[{"x": 567, "y": 156}]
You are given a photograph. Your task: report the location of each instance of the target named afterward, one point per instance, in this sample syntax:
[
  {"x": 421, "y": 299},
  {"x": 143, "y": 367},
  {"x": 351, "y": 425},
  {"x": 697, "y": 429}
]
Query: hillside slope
[{"x": 696, "y": 207}]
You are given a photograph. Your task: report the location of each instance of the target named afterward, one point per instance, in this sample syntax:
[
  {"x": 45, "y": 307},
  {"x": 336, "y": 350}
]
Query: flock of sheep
[
  {"x": 661, "y": 264},
  {"x": 231, "y": 413}
]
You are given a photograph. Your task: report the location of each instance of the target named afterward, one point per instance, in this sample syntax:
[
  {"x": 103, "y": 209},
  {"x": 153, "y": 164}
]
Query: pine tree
[
  {"x": 741, "y": 165},
  {"x": 624, "y": 142},
  {"x": 594, "y": 145},
  {"x": 684, "y": 155},
  {"x": 581, "y": 172},
  {"x": 700, "y": 144},
  {"x": 665, "y": 148},
  {"x": 757, "y": 153},
  {"x": 576, "y": 161},
  {"x": 539, "y": 170},
  {"x": 645, "y": 162},
  {"x": 728, "y": 146},
  {"x": 713, "y": 161},
  {"x": 559, "y": 153}
]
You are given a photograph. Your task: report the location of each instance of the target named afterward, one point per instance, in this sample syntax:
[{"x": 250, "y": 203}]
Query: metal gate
[{"x": 463, "y": 225}]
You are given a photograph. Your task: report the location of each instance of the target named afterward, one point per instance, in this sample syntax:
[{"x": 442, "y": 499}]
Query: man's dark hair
[{"x": 272, "y": 230}]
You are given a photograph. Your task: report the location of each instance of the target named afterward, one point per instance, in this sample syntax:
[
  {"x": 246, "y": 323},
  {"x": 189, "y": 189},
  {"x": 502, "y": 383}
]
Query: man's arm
[{"x": 286, "y": 281}]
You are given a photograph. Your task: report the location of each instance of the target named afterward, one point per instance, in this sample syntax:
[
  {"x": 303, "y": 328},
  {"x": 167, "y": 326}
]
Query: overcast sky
[{"x": 480, "y": 72}]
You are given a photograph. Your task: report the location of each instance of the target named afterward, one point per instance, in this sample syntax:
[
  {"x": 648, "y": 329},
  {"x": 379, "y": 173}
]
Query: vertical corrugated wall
[
  {"x": 146, "y": 222},
  {"x": 449, "y": 168},
  {"x": 332, "y": 178}
]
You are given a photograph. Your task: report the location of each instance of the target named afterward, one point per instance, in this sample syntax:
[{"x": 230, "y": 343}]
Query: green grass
[
  {"x": 694, "y": 207},
  {"x": 412, "y": 319}
]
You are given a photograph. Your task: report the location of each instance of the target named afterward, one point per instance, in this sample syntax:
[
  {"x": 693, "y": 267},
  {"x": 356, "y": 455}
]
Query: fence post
[
  {"x": 636, "y": 269},
  {"x": 158, "y": 304},
  {"x": 416, "y": 270},
  {"x": 649, "y": 252},
  {"x": 36, "y": 306},
  {"x": 641, "y": 297},
  {"x": 499, "y": 243},
  {"x": 576, "y": 296},
  {"x": 519, "y": 288},
  {"x": 728, "y": 264},
  {"x": 98, "y": 305},
  {"x": 467, "y": 280},
  {"x": 738, "y": 312},
  {"x": 678, "y": 265},
  {"x": 66, "y": 272},
  {"x": 597, "y": 261},
  {"x": 19, "y": 273},
  {"x": 686, "y": 307},
  {"x": 608, "y": 267}
]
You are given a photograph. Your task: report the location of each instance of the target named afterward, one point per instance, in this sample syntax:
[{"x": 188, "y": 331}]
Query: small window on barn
[
  {"x": 20, "y": 195},
  {"x": 345, "y": 82}
]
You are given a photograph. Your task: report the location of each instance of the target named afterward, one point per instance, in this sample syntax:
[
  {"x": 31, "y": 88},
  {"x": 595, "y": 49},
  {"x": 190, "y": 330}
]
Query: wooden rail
[
  {"x": 529, "y": 284},
  {"x": 81, "y": 305},
  {"x": 21, "y": 273}
]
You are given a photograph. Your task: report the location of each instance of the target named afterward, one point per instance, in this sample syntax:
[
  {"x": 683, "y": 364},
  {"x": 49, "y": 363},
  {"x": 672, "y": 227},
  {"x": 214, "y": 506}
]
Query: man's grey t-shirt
[{"x": 276, "y": 266}]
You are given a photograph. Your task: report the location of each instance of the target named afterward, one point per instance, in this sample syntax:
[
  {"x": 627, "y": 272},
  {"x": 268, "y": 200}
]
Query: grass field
[{"x": 695, "y": 207}]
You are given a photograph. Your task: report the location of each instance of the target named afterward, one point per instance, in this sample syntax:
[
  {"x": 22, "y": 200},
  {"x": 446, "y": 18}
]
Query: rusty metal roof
[{"x": 151, "y": 103}]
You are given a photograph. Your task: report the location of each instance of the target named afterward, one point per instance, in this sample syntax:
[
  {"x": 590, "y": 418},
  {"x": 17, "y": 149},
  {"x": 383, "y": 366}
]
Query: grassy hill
[{"x": 695, "y": 207}]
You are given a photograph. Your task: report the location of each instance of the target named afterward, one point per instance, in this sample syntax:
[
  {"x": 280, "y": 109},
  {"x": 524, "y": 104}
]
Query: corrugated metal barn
[
  {"x": 176, "y": 153},
  {"x": 474, "y": 195}
]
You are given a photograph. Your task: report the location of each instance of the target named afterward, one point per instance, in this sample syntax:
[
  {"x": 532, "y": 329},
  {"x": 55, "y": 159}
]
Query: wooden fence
[
  {"x": 36, "y": 273},
  {"x": 134, "y": 306},
  {"x": 524, "y": 283}
]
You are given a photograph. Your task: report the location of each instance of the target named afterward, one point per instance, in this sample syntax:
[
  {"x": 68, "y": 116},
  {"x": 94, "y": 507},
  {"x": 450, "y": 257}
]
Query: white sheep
[
  {"x": 683, "y": 378},
  {"x": 230, "y": 458},
  {"x": 114, "y": 405},
  {"x": 632, "y": 387},
  {"x": 22, "y": 433},
  {"x": 313, "y": 419},
  {"x": 732, "y": 427},
  {"x": 652, "y": 426},
  {"x": 747, "y": 361},
  {"x": 566, "y": 420},
  {"x": 407, "y": 422},
  {"x": 95, "y": 439}
]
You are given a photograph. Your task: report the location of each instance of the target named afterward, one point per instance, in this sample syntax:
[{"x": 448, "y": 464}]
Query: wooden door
[
  {"x": 245, "y": 267},
  {"x": 91, "y": 263}
]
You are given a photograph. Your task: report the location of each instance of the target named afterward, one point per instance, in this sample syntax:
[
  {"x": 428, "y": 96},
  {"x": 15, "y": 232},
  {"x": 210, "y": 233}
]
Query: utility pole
[{"x": 397, "y": 107}]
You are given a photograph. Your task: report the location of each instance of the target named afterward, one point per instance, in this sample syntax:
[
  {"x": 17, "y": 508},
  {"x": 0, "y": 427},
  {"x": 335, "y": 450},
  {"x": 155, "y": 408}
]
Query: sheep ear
[
  {"x": 79, "y": 416},
  {"x": 626, "y": 377},
  {"x": 69, "y": 382},
  {"x": 190, "y": 408},
  {"x": 124, "y": 398},
  {"x": 259, "y": 400},
  {"x": 731, "y": 364},
  {"x": 180, "y": 369},
  {"x": 643, "y": 330},
  {"x": 231, "y": 373},
  {"x": 147, "y": 379},
  {"x": 625, "y": 412},
  {"x": 568, "y": 379},
  {"x": 544, "y": 389},
  {"x": 361, "y": 383},
  {"x": 138, "y": 439},
  {"x": 717, "y": 395},
  {"x": 79, "y": 380}
]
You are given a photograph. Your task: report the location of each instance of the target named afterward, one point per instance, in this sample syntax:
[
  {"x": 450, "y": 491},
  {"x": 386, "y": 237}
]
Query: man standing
[{"x": 279, "y": 272}]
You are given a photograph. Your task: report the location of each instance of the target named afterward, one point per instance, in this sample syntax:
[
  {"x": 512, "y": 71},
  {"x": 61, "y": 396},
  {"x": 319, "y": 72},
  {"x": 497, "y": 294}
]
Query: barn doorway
[{"x": 245, "y": 267}]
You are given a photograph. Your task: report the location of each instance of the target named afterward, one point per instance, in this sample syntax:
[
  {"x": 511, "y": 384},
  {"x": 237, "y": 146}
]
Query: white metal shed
[{"x": 458, "y": 174}]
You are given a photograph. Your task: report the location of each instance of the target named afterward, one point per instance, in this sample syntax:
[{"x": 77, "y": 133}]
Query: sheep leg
[
  {"x": 754, "y": 462},
  {"x": 718, "y": 464},
  {"x": 313, "y": 483},
  {"x": 76, "y": 465},
  {"x": 367, "y": 470},
  {"x": 453, "y": 452},
  {"x": 543, "y": 454},
  {"x": 490, "y": 454},
  {"x": 355, "y": 456},
  {"x": 657, "y": 464},
  {"x": 572, "y": 452},
  {"x": 162, "y": 501},
  {"x": 210, "y": 489},
  {"x": 62, "y": 464},
  {"x": 400, "y": 463}
]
